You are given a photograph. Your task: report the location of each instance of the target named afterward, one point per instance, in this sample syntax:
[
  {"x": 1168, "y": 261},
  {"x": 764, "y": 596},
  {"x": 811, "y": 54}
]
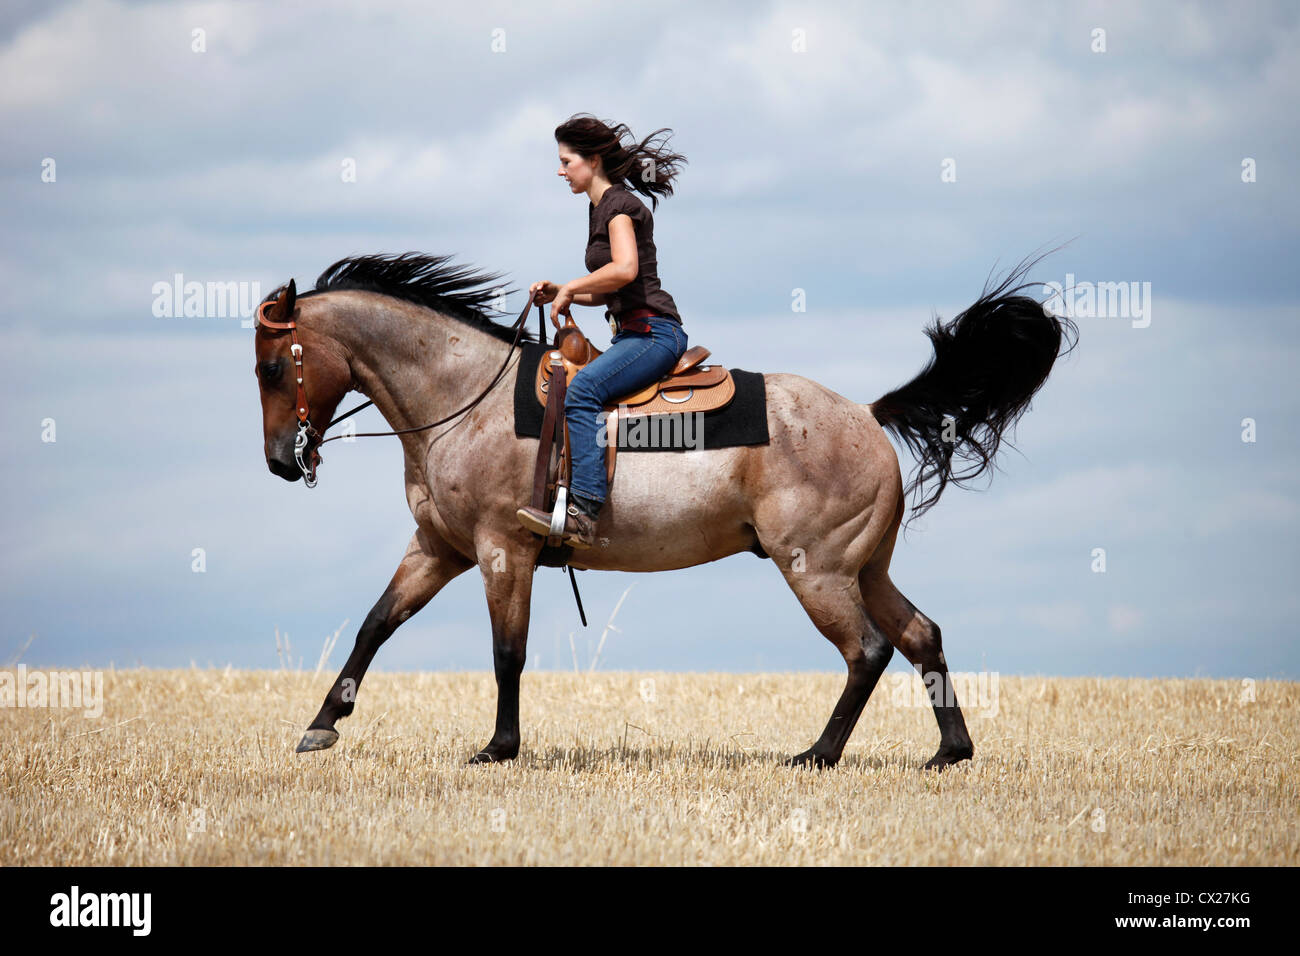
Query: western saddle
[{"x": 690, "y": 387}]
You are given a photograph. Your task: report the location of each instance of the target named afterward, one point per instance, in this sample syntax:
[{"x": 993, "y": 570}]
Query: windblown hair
[
  {"x": 647, "y": 168},
  {"x": 430, "y": 281}
]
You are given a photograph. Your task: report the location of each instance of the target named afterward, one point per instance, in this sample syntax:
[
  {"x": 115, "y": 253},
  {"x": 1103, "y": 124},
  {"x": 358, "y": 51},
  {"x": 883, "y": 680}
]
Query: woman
[{"x": 622, "y": 261}]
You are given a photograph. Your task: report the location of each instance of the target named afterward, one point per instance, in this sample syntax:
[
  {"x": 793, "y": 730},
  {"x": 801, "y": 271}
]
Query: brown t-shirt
[{"x": 644, "y": 290}]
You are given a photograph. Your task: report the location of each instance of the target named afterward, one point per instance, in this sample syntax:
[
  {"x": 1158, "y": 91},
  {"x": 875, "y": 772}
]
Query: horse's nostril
[{"x": 289, "y": 472}]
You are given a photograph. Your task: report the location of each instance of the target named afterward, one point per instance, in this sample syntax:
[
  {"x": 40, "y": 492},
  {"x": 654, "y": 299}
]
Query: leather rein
[{"x": 306, "y": 431}]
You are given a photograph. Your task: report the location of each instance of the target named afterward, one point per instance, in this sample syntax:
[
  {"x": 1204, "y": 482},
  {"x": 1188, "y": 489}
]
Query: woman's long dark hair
[{"x": 642, "y": 166}]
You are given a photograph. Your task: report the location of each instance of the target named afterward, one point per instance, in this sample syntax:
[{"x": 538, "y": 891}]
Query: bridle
[{"x": 306, "y": 432}]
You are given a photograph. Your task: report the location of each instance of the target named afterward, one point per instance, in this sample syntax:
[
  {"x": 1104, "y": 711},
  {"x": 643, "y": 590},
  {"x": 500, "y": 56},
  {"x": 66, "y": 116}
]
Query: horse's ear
[{"x": 282, "y": 308}]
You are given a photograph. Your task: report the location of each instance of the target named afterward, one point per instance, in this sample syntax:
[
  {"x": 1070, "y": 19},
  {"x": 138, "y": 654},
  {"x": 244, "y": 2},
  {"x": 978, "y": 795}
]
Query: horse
[{"x": 823, "y": 499}]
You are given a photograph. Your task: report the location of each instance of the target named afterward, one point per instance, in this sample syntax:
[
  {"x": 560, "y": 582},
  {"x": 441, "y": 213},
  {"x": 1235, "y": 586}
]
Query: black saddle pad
[{"x": 742, "y": 422}]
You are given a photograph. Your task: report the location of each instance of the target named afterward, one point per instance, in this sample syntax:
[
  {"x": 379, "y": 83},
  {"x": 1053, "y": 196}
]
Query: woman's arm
[{"x": 617, "y": 273}]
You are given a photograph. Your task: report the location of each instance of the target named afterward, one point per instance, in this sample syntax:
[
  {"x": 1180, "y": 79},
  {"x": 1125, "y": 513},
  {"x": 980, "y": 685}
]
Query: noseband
[{"x": 305, "y": 430}]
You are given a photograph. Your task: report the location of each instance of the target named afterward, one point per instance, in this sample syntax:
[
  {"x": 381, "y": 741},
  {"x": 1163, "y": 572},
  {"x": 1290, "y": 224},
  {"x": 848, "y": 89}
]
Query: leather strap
[
  {"x": 611, "y": 447},
  {"x": 633, "y": 320},
  {"x": 546, "y": 437},
  {"x": 295, "y": 350},
  {"x": 628, "y": 315},
  {"x": 562, "y": 476},
  {"x": 561, "y": 439}
]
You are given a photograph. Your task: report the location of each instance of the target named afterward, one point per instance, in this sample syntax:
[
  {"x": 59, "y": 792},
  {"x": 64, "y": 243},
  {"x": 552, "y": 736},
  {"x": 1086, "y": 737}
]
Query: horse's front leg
[
  {"x": 428, "y": 565},
  {"x": 507, "y": 567}
]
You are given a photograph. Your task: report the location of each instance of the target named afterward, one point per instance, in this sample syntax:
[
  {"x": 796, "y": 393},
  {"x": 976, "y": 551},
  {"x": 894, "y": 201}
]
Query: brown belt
[{"x": 631, "y": 320}]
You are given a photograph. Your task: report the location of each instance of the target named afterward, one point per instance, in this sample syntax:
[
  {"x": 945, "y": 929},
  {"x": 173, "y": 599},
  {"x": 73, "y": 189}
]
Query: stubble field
[{"x": 197, "y": 767}]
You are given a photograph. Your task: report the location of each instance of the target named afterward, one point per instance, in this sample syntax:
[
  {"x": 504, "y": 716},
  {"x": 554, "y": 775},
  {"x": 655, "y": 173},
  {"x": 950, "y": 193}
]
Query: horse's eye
[{"x": 269, "y": 372}]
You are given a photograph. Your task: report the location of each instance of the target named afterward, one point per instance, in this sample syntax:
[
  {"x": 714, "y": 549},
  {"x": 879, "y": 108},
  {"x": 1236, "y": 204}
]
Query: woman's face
[{"x": 577, "y": 170}]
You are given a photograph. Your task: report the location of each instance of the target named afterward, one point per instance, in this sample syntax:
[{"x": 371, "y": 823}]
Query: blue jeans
[{"x": 632, "y": 361}]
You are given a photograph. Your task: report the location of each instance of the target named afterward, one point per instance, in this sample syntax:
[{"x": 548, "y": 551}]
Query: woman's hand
[
  {"x": 563, "y": 298},
  {"x": 543, "y": 292}
]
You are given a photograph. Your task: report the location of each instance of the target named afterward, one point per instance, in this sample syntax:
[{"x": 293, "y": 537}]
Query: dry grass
[{"x": 197, "y": 767}]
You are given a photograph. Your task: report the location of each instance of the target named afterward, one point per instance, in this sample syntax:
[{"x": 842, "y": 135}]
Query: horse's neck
[{"x": 415, "y": 365}]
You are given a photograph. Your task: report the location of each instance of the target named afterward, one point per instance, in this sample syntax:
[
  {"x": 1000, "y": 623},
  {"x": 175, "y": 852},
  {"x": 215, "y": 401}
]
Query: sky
[{"x": 884, "y": 159}]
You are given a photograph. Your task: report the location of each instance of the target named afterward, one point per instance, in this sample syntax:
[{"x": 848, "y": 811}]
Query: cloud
[
  {"x": 1066, "y": 617},
  {"x": 816, "y": 171},
  {"x": 1124, "y": 619}
]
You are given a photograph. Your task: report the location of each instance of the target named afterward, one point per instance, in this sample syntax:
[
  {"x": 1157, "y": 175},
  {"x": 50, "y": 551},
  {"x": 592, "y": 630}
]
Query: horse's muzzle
[{"x": 289, "y": 470}]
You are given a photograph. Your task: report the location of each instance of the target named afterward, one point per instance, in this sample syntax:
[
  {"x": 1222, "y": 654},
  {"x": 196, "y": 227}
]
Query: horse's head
[{"x": 303, "y": 375}]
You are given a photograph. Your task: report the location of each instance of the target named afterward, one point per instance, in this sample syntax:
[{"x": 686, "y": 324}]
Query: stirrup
[{"x": 558, "y": 517}]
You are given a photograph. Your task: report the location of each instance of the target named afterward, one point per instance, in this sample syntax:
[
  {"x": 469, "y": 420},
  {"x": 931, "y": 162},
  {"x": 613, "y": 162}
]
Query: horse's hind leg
[
  {"x": 921, "y": 642},
  {"x": 428, "y": 565},
  {"x": 508, "y": 583},
  {"x": 834, "y": 602}
]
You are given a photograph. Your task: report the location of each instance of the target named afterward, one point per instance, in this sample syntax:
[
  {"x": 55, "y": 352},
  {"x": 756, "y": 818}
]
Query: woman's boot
[{"x": 579, "y": 521}]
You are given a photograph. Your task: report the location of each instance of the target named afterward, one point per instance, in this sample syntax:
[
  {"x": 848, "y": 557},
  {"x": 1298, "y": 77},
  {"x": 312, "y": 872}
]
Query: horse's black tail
[{"x": 988, "y": 363}]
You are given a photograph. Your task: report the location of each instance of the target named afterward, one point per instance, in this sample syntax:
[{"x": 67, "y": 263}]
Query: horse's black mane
[{"x": 431, "y": 281}]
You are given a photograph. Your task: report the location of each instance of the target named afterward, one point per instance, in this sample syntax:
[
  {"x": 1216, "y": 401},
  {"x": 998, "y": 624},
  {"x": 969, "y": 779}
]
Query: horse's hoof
[
  {"x": 317, "y": 740},
  {"x": 810, "y": 758},
  {"x": 488, "y": 756},
  {"x": 944, "y": 759}
]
